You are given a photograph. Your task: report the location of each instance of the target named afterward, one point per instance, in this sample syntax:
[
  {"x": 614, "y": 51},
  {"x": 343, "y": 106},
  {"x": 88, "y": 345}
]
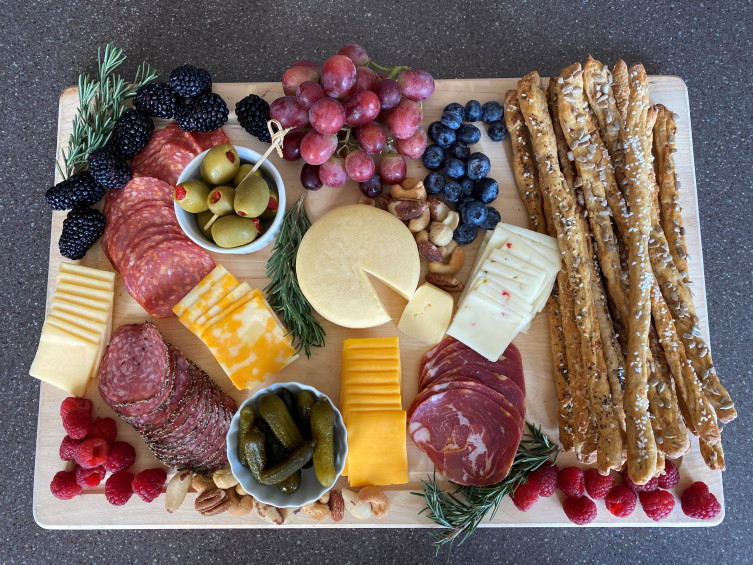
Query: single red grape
[
  {"x": 392, "y": 168},
  {"x": 294, "y": 76},
  {"x": 413, "y": 147},
  {"x": 309, "y": 92},
  {"x": 366, "y": 79},
  {"x": 308, "y": 64},
  {"x": 361, "y": 108},
  {"x": 359, "y": 165},
  {"x": 332, "y": 172},
  {"x": 291, "y": 146},
  {"x": 338, "y": 76},
  {"x": 371, "y": 138},
  {"x": 389, "y": 93},
  {"x": 355, "y": 53},
  {"x": 288, "y": 112},
  {"x": 416, "y": 85},
  {"x": 310, "y": 177},
  {"x": 372, "y": 187},
  {"x": 405, "y": 118},
  {"x": 327, "y": 115},
  {"x": 317, "y": 147}
]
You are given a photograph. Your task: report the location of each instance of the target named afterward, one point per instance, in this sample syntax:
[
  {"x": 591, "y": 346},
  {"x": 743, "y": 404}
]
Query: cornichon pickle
[
  {"x": 289, "y": 399},
  {"x": 275, "y": 450},
  {"x": 304, "y": 402},
  {"x": 291, "y": 484},
  {"x": 274, "y": 412},
  {"x": 282, "y": 470},
  {"x": 252, "y": 451},
  {"x": 322, "y": 432},
  {"x": 246, "y": 419}
]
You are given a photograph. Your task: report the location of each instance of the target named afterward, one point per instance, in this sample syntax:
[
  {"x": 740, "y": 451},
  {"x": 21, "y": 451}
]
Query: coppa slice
[
  {"x": 510, "y": 366},
  {"x": 470, "y": 438}
]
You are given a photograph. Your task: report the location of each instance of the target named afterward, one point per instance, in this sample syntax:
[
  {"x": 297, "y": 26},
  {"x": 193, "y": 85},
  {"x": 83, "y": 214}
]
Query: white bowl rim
[{"x": 248, "y": 155}]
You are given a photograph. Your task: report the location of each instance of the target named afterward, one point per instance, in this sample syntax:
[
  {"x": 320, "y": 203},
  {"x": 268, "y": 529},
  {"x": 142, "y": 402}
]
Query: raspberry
[
  {"x": 581, "y": 510},
  {"x": 90, "y": 478},
  {"x": 650, "y": 486},
  {"x": 657, "y": 504},
  {"x": 73, "y": 403},
  {"x": 92, "y": 452},
  {"x": 597, "y": 485},
  {"x": 77, "y": 423},
  {"x": 545, "y": 478},
  {"x": 671, "y": 476},
  {"x": 104, "y": 428},
  {"x": 698, "y": 502},
  {"x": 121, "y": 456},
  {"x": 621, "y": 501},
  {"x": 148, "y": 483},
  {"x": 64, "y": 485},
  {"x": 118, "y": 488},
  {"x": 571, "y": 481},
  {"x": 525, "y": 496},
  {"x": 68, "y": 448}
]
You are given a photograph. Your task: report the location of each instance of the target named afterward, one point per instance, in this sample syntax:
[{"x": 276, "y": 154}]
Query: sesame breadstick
[
  {"x": 566, "y": 165},
  {"x": 713, "y": 455},
  {"x": 533, "y": 105},
  {"x": 641, "y": 443},
  {"x": 621, "y": 88}
]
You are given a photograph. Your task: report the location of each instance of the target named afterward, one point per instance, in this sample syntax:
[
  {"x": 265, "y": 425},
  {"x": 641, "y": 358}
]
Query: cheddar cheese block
[{"x": 377, "y": 453}]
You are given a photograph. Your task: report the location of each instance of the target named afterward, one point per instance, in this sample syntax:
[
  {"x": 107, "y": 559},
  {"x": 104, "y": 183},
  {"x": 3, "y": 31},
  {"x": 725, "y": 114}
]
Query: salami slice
[
  {"x": 210, "y": 139},
  {"x": 169, "y": 134},
  {"x": 166, "y": 164},
  {"x": 470, "y": 438}
]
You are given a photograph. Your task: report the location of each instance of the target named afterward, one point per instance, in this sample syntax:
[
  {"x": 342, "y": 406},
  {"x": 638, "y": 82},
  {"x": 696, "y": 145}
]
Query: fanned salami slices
[
  {"x": 179, "y": 411},
  {"x": 469, "y": 413}
]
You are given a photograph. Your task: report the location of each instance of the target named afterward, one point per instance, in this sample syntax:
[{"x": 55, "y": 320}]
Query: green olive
[
  {"x": 191, "y": 195},
  {"x": 251, "y": 197},
  {"x": 244, "y": 169},
  {"x": 232, "y": 231},
  {"x": 220, "y": 164},
  {"x": 202, "y": 218},
  {"x": 220, "y": 200},
  {"x": 272, "y": 205}
]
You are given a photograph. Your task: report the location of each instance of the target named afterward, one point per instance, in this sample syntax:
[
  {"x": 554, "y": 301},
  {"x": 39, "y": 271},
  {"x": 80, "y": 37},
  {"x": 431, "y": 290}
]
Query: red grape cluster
[{"x": 346, "y": 114}]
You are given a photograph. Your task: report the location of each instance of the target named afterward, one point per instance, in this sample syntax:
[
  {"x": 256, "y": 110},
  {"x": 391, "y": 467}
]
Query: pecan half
[
  {"x": 212, "y": 502},
  {"x": 447, "y": 283}
]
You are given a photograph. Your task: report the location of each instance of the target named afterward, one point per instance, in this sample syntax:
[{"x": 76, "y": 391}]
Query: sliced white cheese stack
[{"x": 510, "y": 282}]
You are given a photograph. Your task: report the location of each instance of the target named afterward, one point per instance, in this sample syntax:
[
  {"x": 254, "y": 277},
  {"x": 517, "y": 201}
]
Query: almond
[
  {"x": 336, "y": 505},
  {"x": 430, "y": 251},
  {"x": 447, "y": 283},
  {"x": 407, "y": 209}
]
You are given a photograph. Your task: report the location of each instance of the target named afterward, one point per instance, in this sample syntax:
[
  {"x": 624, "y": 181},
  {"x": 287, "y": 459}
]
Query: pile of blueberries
[{"x": 460, "y": 176}]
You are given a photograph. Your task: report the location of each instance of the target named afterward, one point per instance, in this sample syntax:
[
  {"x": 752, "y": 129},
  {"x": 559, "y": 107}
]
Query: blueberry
[
  {"x": 477, "y": 166},
  {"x": 455, "y": 108},
  {"x": 433, "y": 157},
  {"x": 434, "y": 182},
  {"x": 451, "y": 120},
  {"x": 497, "y": 131},
  {"x": 465, "y": 234},
  {"x": 473, "y": 111},
  {"x": 472, "y": 212},
  {"x": 492, "y": 112},
  {"x": 452, "y": 191},
  {"x": 454, "y": 168},
  {"x": 487, "y": 190},
  {"x": 459, "y": 150},
  {"x": 468, "y": 133},
  {"x": 492, "y": 219},
  {"x": 468, "y": 186},
  {"x": 440, "y": 133}
]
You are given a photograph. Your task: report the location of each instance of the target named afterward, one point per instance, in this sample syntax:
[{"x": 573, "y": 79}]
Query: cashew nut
[
  {"x": 224, "y": 479},
  {"x": 438, "y": 210},
  {"x": 423, "y": 235},
  {"x": 419, "y": 224},
  {"x": 202, "y": 483},
  {"x": 440, "y": 234},
  {"x": 446, "y": 250},
  {"x": 408, "y": 190},
  {"x": 452, "y": 220},
  {"x": 452, "y": 267},
  {"x": 317, "y": 511},
  {"x": 377, "y": 498}
]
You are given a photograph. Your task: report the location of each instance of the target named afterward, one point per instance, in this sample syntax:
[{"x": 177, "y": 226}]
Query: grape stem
[{"x": 393, "y": 71}]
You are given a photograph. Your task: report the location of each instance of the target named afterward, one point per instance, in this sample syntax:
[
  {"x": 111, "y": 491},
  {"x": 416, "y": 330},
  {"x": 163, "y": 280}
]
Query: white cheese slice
[
  {"x": 81, "y": 270},
  {"x": 64, "y": 360},
  {"x": 427, "y": 315}
]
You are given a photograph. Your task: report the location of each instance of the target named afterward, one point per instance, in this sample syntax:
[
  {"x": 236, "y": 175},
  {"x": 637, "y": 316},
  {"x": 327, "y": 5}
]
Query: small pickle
[
  {"x": 322, "y": 432},
  {"x": 274, "y": 412},
  {"x": 246, "y": 419},
  {"x": 304, "y": 402},
  {"x": 291, "y": 484},
  {"x": 282, "y": 470},
  {"x": 289, "y": 399},
  {"x": 276, "y": 452},
  {"x": 252, "y": 451}
]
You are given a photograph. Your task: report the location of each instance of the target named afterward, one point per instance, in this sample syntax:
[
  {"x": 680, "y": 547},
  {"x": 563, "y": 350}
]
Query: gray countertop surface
[{"x": 43, "y": 47}]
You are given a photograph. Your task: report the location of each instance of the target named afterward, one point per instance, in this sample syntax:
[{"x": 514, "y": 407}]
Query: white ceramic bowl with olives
[{"x": 242, "y": 217}]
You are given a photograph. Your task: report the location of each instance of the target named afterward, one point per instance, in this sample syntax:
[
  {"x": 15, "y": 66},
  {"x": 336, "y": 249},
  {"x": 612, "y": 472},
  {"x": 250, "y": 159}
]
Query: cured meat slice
[
  {"x": 169, "y": 134},
  {"x": 434, "y": 351},
  {"x": 146, "y": 221},
  {"x": 137, "y": 189},
  {"x": 470, "y": 438},
  {"x": 166, "y": 164},
  {"x": 210, "y": 139}
]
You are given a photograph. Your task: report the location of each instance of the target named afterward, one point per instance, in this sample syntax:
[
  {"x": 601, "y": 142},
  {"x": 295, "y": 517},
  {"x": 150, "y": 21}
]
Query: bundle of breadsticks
[{"x": 594, "y": 162}]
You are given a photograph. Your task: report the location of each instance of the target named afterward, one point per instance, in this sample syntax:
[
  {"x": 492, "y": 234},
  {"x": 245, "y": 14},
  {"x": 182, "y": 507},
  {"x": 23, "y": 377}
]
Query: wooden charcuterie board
[{"x": 322, "y": 370}]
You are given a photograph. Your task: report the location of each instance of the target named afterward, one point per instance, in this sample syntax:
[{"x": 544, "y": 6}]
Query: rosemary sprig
[
  {"x": 283, "y": 293},
  {"x": 100, "y": 104},
  {"x": 460, "y": 512}
]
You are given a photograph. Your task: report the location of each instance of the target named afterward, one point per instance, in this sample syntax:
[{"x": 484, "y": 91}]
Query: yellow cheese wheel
[{"x": 339, "y": 250}]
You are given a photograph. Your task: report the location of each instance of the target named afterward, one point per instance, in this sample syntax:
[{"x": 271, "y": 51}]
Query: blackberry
[
  {"x": 132, "y": 132},
  {"x": 253, "y": 113},
  {"x": 157, "y": 99},
  {"x": 190, "y": 82},
  {"x": 81, "y": 228},
  {"x": 108, "y": 168},
  {"x": 79, "y": 190},
  {"x": 206, "y": 113}
]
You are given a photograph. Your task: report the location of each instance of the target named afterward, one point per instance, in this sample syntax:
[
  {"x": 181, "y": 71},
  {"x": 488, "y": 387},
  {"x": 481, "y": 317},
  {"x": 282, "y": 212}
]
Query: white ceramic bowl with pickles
[
  {"x": 189, "y": 223},
  {"x": 311, "y": 489}
]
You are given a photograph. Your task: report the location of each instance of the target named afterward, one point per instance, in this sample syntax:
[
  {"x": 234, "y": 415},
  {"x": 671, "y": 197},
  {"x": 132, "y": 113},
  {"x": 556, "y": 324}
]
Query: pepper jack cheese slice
[{"x": 338, "y": 252}]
